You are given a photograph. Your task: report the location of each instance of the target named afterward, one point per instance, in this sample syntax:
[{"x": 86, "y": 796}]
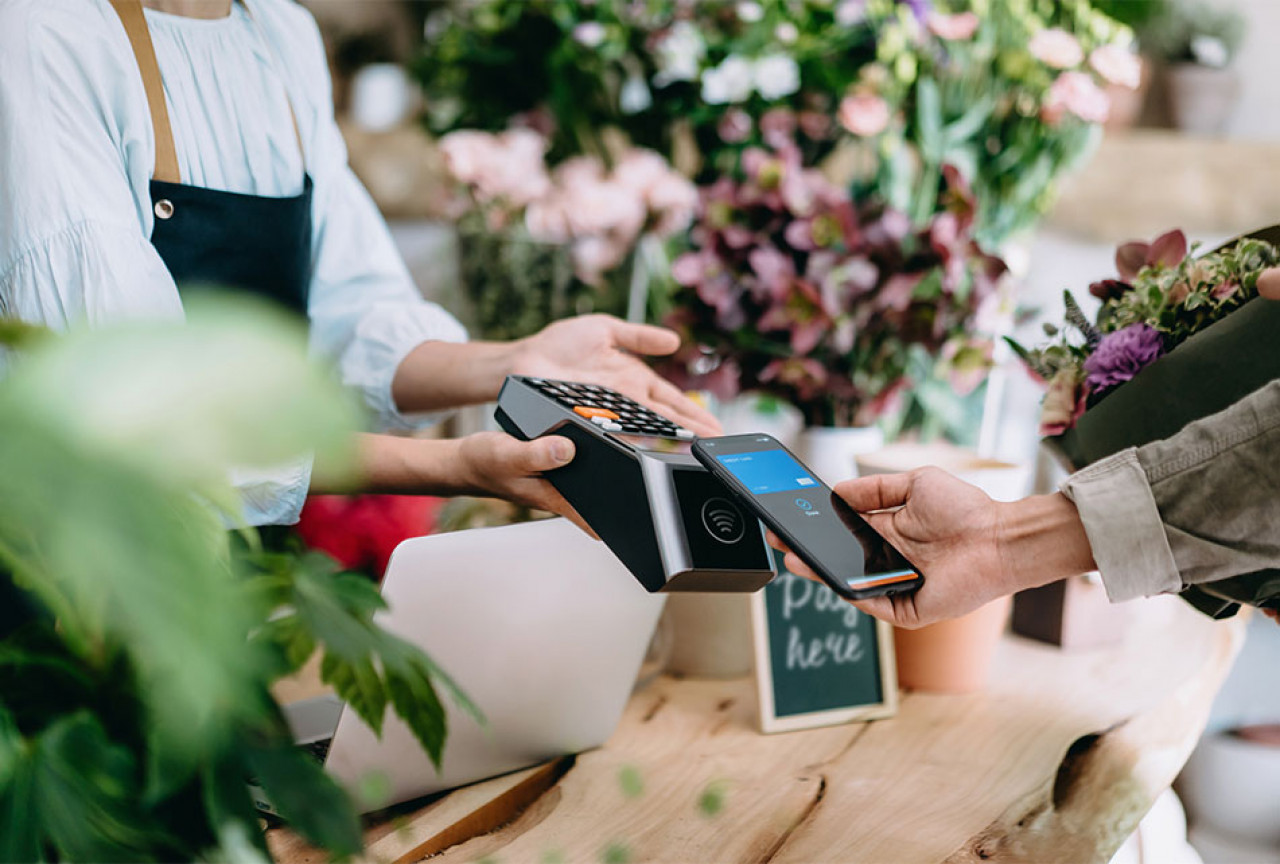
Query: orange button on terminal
[{"x": 595, "y": 412}]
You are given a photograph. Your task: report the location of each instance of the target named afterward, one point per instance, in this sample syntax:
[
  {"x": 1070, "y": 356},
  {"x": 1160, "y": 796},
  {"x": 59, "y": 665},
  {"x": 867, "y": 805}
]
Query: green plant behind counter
[{"x": 134, "y": 683}]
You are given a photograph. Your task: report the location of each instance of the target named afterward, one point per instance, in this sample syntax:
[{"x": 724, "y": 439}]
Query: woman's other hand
[
  {"x": 601, "y": 349},
  {"x": 497, "y": 465}
]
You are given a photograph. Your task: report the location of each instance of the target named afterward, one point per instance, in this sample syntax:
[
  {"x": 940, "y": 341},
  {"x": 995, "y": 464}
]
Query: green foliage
[
  {"x": 486, "y": 62},
  {"x": 134, "y": 695},
  {"x": 1195, "y": 32}
]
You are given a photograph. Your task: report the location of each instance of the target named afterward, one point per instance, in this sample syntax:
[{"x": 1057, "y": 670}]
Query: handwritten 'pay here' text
[{"x": 814, "y": 652}]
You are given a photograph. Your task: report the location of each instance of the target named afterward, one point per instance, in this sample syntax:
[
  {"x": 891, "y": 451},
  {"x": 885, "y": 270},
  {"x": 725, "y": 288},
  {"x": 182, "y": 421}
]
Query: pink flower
[
  {"x": 1075, "y": 93},
  {"x": 640, "y": 170},
  {"x": 689, "y": 268},
  {"x": 735, "y": 126},
  {"x": 865, "y": 115},
  {"x": 807, "y": 376},
  {"x": 1225, "y": 291},
  {"x": 1117, "y": 65},
  {"x": 1063, "y": 404},
  {"x": 546, "y": 222},
  {"x": 954, "y": 27},
  {"x": 595, "y": 256},
  {"x": 1056, "y": 48},
  {"x": 675, "y": 200},
  {"x": 1167, "y": 250},
  {"x": 595, "y": 209},
  {"x": 778, "y": 127},
  {"x": 774, "y": 270}
]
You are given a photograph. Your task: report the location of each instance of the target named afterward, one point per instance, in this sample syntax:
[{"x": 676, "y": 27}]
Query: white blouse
[{"x": 76, "y": 156}]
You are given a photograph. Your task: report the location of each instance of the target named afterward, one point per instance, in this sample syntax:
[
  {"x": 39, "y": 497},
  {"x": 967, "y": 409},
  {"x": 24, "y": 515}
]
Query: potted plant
[
  {"x": 1173, "y": 323},
  {"x": 793, "y": 290},
  {"x": 537, "y": 245},
  {"x": 135, "y": 681},
  {"x": 1198, "y": 41}
]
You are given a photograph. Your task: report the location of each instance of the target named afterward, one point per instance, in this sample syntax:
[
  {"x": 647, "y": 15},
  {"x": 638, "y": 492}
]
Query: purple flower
[{"x": 1121, "y": 355}]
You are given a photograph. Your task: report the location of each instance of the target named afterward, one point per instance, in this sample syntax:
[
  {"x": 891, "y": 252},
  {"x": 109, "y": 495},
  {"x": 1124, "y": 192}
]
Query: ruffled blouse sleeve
[{"x": 365, "y": 310}]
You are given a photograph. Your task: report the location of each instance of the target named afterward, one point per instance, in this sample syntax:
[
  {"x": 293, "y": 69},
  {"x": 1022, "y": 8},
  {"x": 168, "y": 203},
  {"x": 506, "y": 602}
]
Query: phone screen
[{"x": 819, "y": 526}]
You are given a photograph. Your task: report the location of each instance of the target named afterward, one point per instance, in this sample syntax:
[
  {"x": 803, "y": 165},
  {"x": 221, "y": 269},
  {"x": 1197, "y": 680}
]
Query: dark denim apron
[{"x": 208, "y": 239}]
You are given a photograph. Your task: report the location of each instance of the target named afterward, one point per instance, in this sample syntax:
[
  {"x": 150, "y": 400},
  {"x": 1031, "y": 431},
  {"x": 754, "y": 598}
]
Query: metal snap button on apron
[{"x": 164, "y": 208}]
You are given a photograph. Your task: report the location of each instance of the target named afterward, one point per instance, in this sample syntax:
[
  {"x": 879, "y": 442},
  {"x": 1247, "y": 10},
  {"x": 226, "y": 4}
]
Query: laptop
[{"x": 539, "y": 624}]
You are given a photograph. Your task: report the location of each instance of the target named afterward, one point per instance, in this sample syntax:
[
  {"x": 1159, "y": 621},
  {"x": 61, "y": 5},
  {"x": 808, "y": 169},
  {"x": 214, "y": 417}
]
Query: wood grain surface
[{"x": 1057, "y": 760}]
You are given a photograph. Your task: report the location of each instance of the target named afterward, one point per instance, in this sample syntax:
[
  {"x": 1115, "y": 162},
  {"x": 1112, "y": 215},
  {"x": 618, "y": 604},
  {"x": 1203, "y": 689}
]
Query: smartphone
[{"x": 818, "y": 525}]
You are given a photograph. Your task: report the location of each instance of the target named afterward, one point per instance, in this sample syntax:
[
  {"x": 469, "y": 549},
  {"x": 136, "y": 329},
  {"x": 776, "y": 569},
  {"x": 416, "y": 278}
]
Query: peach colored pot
[{"x": 951, "y": 656}]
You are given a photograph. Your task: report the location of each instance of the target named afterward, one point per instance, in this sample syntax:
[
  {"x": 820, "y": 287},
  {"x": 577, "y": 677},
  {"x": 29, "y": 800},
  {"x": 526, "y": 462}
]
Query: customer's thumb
[
  {"x": 1269, "y": 283},
  {"x": 548, "y": 453}
]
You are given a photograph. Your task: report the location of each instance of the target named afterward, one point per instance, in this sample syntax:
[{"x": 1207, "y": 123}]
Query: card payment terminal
[{"x": 673, "y": 524}]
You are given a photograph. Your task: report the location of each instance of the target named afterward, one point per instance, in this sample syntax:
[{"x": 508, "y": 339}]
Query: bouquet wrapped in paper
[{"x": 1177, "y": 338}]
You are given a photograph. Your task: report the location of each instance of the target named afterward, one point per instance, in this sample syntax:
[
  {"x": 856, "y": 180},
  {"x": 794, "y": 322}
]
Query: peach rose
[
  {"x": 865, "y": 115},
  {"x": 1056, "y": 48},
  {"x": 1117, "y": 65},
  {"x": 957, "y": 27},
  {"x": 1076, "y": 93}
]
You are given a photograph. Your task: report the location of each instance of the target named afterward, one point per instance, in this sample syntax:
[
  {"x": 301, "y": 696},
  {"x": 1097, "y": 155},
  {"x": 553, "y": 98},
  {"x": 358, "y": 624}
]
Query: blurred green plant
[
  {"x": 1195, "y": 32},
  {"x": 135, "y": 685}
]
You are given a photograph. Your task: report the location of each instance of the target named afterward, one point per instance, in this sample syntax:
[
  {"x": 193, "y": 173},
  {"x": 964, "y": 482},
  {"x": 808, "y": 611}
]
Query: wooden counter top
[
  {"x": 1057, "y": 760},
  {"x": 1144, "y": 182}
]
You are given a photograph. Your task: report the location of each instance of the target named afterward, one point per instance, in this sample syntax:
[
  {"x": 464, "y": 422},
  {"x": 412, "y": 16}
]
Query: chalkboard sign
[{"x": 819, "y": 661}]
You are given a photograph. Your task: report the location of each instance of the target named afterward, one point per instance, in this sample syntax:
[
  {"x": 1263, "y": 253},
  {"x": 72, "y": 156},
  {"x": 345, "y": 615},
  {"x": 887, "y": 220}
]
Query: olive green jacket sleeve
[{"x": 1199, "y": 507}]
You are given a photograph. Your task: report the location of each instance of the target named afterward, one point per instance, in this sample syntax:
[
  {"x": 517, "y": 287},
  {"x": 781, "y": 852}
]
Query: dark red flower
[
  {"x": 1109, "y": 289},
  {"x": 1167, "y": 250}
]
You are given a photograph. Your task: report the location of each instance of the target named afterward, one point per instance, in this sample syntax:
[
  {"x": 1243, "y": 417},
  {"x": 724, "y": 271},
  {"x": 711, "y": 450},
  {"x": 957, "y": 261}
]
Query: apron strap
[{"x": 144, "y": 53}]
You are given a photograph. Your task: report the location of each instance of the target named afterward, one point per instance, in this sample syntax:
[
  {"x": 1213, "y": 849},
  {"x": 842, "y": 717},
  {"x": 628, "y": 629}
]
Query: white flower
[
  {"x": 749, "y": 11},
  {"x": 786, "y": 33},
  {"x": 1210, "y": 51},
  {"x": 1056, "y": 48},
  {"x": 776, "y": 75},
  {"x": 1117, "y": 65},
  {"x": 679, "y": 54},
  {"x": 634, "y": 96},
  {"x": 593, "y": 257},
  {"x": 850, "y": 12},
  {"x": 731, "y": 81},
  {"x": 589, "y": 33}
]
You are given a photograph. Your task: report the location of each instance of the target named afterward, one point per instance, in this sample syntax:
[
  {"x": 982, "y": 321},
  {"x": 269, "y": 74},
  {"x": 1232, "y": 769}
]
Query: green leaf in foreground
[
  {"x": 712, "y": 800},
  {"x": 630, "y": 780}
]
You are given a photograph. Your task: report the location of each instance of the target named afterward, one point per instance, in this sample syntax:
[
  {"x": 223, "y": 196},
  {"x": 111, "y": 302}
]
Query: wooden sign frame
[{"x": 770, "y": 722}]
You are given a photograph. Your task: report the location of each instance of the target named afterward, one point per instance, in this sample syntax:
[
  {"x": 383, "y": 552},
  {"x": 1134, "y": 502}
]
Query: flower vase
[{"x": 832, "y": 452}]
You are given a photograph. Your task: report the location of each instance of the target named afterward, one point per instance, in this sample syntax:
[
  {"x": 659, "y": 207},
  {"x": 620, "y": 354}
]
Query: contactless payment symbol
[
  {"x": 804, "y": 504},
  {"x": 722, "y": 520}
]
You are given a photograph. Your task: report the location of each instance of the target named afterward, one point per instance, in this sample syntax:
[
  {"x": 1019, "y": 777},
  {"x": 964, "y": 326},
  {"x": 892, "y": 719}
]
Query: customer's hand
[
  {"x": 496, "y": 464},
  {"x": 969, "y": 548},
  {"x": 601, "y": 349},
  {"x": 1269, "y": 283}
]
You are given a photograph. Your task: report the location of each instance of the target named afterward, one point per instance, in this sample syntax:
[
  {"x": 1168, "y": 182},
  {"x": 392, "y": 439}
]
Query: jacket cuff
[{"x": 1124, "y": 527}]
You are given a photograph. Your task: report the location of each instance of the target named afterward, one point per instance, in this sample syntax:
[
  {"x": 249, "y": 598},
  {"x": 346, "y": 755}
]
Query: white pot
[
  {"x": 711, "y": 634},
  {"x": 832, "y": 453},
  {"x": 1202, "y": 99},
  {"x": 381, "y": 97},
  {"x": 1232, "y": 786}
]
